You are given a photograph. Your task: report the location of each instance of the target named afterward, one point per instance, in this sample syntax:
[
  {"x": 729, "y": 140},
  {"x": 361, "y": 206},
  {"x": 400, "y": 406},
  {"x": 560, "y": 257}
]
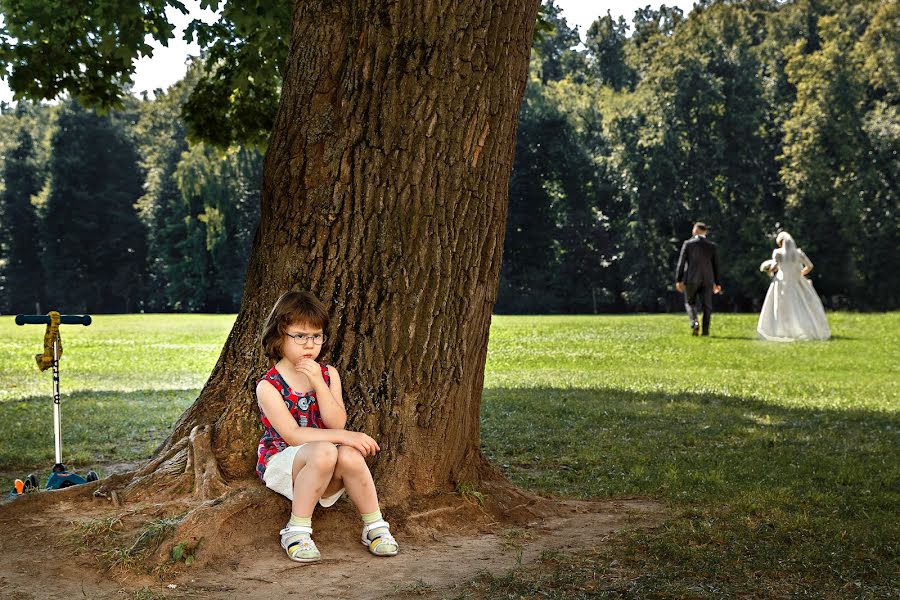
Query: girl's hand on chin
[{"x": 310, "y": 368}]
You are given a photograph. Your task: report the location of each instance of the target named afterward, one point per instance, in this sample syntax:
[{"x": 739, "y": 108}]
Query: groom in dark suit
[{"x": 697, "y": 276}]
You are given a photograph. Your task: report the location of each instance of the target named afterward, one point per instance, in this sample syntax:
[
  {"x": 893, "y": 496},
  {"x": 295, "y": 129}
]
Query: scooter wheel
[{"x": 91, "y": 476}]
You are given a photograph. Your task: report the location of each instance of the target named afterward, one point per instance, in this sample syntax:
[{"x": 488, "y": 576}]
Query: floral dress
[{"x": 304, "y": 408}]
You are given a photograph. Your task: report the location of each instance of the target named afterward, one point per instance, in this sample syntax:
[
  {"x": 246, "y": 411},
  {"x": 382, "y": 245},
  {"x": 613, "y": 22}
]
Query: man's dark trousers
[
  {"x": 699, "y": 296},
  {"x": 698, "y": 270}
]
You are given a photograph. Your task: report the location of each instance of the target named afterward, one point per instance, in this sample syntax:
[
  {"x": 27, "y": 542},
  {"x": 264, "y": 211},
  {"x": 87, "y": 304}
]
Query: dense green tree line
[
  {"x": 752, "y": 116},
  {"x": 120, "y": 212}
]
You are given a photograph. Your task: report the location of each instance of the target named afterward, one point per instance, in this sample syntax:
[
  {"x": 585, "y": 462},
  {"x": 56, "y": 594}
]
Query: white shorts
[{"x": 279, "y": 469}]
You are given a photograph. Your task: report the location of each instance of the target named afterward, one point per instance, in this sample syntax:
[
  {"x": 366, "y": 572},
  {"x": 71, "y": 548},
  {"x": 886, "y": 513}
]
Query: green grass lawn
[
  {"x": 124, "y": 380},
  {"x": 779, "y": 462}
]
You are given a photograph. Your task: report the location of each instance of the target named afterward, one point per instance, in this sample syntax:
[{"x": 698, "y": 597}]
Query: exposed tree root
[
  {"x": 187, "y": 468},
  {"x": 219, "y": 520},
  {"x": 244, "y": 517},
  {"x": 208, "y": 480}
]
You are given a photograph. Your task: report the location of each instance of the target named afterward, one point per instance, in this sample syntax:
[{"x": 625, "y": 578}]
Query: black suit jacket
[{"x": 698, "y": 261}]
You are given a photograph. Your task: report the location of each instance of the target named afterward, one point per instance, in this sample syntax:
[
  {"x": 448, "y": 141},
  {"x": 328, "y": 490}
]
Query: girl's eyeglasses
[{"x": 317, "y": 338}]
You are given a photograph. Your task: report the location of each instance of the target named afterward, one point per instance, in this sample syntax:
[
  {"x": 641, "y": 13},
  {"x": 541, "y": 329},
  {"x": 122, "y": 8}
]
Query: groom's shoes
[{"x": 695, "y": 329}]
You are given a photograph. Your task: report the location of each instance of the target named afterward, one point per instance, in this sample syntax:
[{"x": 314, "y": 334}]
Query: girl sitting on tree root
[{"x": 305, "y": 453}]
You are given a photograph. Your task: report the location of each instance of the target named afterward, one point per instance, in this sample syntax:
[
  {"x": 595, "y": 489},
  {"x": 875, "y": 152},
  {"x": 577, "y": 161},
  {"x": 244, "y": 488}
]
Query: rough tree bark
[{"x": 384, "y": 193}]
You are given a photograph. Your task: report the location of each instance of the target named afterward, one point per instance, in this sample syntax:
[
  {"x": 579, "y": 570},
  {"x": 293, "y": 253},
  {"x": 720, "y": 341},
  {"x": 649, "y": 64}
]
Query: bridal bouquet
[{"x": 769, "y": 266}]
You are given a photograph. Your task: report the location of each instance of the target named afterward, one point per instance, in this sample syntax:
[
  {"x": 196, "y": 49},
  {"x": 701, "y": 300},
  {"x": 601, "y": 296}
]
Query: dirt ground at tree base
[{"x": 37, "y": 562}]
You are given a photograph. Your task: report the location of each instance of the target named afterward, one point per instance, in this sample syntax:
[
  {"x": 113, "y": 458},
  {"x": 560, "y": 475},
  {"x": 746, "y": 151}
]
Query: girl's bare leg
[
  {"x": 353, "y": 473},
  {"x": 313, "y": 469}
]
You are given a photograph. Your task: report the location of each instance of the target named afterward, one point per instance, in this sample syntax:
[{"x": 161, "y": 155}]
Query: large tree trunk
[{"x": 385, "y": 194}]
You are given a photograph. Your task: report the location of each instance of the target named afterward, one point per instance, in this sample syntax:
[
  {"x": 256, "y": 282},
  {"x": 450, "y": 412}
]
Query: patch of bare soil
[{"x": 44, "y": 552}]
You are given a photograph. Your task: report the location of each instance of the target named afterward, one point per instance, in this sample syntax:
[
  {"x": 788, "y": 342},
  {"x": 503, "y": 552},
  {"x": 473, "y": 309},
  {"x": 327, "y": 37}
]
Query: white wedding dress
[{"x": 792, "y": 309}]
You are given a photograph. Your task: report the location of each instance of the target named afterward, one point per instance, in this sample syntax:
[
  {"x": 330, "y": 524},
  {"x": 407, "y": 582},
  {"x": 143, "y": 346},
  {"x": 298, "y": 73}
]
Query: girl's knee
[
  {"x": 350, "y": 459},
  {"x": 322, "y": 455}
]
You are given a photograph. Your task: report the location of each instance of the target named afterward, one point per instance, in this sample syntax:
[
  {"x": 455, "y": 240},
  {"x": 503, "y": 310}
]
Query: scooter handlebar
[{"x": 45, "y": 319}]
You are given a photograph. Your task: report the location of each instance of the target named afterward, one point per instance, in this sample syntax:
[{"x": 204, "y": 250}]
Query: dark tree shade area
[
  {"x": 753, "y": 116},
  {"x": 119, "y": 212},
  {"x": 94, "y": 246},
  {"x": 21, "y": 273}
]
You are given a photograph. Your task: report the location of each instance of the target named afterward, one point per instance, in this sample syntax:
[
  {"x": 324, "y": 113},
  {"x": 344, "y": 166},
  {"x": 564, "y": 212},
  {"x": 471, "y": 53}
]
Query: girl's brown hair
[{"x": 291, "y": 308}]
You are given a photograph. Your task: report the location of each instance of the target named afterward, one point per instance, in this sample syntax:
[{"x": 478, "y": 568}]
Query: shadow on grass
[
  {"x": 600, "y": 442},
  {"x": 757, "y": 339},
  {"x": 97, "y": 427},
  {"x": 752, "y": 485}
]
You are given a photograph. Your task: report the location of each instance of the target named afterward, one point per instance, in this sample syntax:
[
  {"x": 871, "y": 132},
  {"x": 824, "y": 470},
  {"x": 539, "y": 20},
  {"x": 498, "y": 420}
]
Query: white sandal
[
  {"x": 300, "y": 545},
  {"x": 385, "y": 538}
]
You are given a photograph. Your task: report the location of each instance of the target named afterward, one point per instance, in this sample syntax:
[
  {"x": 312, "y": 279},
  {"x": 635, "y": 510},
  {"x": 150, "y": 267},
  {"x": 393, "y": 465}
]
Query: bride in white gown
[{"x": 792, "y": 309}]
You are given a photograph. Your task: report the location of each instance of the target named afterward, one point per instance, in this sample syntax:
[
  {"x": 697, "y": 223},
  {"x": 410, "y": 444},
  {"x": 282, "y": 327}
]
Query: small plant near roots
[
  {"x": 105, "y": 539},
  {"x": 515, "y": 537},
  {"x": 419, "y": 588},
  {"x": 470, "y": 493},
  {"x": 96, "y": 533},
  {"x": 146, "y": 593},
  {"x": 153, "y": 534},
  {"x": 183, "y": 551}
]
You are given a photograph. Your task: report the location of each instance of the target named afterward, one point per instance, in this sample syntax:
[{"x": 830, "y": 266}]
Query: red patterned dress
[{"x": 304, "y": 408}]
